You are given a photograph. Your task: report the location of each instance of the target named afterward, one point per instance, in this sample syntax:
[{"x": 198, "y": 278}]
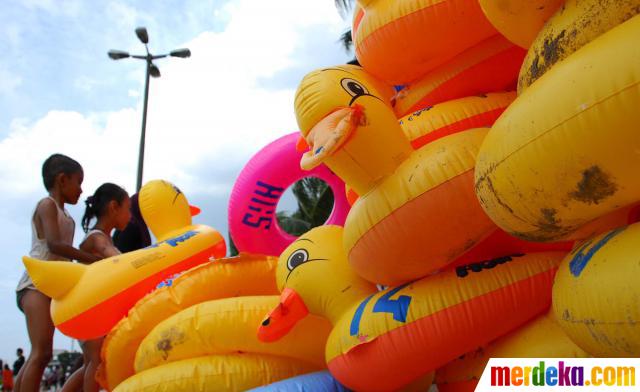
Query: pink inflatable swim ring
[{"x": 255, "y": 195}]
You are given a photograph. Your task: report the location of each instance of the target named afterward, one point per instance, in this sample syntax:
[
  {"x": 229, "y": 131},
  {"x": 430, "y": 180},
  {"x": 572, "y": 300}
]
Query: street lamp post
[{"x": 151, "y": 70}]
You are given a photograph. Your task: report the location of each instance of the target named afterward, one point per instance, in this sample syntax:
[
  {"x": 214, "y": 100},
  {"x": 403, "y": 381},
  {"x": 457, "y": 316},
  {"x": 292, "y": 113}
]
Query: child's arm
[
  {"x": 47, "y": 213},
  {"x": 100, "y": 245}
]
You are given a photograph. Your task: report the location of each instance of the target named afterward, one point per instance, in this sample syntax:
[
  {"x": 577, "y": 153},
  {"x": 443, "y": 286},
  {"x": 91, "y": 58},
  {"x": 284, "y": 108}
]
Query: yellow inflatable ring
[
  {"x": 216, "y": 373},
  {"x": 492, "y": 65},
  {"x": 519, "y": 20},
  {"x": 227, "y": 326},
  {"x": 235, "y": 276},
  {"x": 576, "y": 23},
  {"x": 539, "y": 338},
  {"x": 440, "y": 191},
  {"x": 596, "y": 291},
  {"x": 527, "y": 180},
  {"x": 447, "y": 118}
]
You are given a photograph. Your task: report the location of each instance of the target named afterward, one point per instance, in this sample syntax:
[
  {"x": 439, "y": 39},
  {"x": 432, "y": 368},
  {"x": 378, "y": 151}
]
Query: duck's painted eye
[
  {"x": 353, "y": 87},
  {"x": 298, "y": 257}
]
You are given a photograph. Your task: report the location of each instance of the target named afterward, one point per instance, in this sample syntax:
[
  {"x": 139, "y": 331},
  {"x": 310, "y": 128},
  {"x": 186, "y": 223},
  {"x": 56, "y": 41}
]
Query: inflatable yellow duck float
[
  {"x": 417, "y": 211},
  {"x": 385, "y": 340},
  {"x": 88, "y": 300}
]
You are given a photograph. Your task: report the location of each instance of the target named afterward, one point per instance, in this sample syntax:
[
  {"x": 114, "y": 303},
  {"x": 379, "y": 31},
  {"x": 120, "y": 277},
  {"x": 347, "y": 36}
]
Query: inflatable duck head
[
  {"x": 165, "y": 208},
  {"x": 314, "y": 276},
  {"x": 346, "y": 120}
]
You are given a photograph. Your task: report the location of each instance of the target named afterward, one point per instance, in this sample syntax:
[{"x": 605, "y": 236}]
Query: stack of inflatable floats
[{"x": 493, "y": 195}]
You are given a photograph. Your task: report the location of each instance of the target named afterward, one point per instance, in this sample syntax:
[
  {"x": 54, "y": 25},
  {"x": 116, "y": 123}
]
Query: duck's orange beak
[
  {"x": 352, "y": 196},
  {"x": 284, "y": 317},
  {"x": 329, "y": 134},
  {"x": 194, "y": 210},
  {"x": 302, "y": 145}
]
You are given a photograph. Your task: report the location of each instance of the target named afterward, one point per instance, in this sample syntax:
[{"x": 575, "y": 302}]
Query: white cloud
[
  {"x": 207, "y": 109},
  {"x": 97, "y": 146}
]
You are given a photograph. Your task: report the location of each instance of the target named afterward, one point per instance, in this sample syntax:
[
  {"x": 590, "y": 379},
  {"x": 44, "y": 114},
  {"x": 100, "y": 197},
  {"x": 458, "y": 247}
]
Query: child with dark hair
[
  {"x": 110, "y": 206},
  {"x": 136, "y": 235},
  {"x": 52, "y": 231}
]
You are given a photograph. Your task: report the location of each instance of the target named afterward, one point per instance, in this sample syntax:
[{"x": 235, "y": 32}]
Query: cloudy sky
[{"x": 59, "y": 92}]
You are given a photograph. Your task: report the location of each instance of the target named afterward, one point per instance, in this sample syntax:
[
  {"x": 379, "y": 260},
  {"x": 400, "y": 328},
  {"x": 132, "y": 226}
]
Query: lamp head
[
  {"x": 154, "y": 71},
  {"x": 117, "y": 54},
  {"x": 141, "y": 32},
  {"x": 183, "y": 53}
]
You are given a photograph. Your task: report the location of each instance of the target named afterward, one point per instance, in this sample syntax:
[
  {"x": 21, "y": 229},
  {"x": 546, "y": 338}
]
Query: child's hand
[{"x": 92, "y": 258}]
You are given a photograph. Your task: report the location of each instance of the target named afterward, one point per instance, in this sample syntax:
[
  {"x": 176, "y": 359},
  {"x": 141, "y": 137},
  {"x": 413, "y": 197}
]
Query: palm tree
[
  {"x": 233, "y": 251},
  {"x": 344, "y": 7},
  {"x": 315, "y": 202}
]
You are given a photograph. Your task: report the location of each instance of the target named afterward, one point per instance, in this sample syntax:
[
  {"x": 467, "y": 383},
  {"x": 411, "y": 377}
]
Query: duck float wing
[{"x": 54, "y": 278}]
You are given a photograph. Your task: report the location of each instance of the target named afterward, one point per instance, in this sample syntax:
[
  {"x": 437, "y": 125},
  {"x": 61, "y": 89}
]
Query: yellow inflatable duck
[
  {"x": 417, "y": 211},
  {"x": 385, "y": 340},
  {"x": 88, "y": 300}
]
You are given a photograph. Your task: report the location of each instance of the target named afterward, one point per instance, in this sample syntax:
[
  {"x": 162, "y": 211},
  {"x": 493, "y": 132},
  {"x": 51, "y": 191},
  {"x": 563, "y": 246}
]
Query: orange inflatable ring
[
  {"x": 447, "y": 118},
  {"x": 491, "y": 65},
  {"x": 234, "y": 276},
  {"x": 400, "y": 40},
  {"x": 384, "y": 340},
  {"x": 455, "y": 317},
  {"x": 500, "y": 243},
  {"x": 440, "y": 192},
  {"x": 539, "y": 338}
]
